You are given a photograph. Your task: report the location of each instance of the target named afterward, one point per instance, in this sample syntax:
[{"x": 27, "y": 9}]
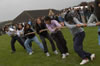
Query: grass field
[{"x": 21, "y": 58}]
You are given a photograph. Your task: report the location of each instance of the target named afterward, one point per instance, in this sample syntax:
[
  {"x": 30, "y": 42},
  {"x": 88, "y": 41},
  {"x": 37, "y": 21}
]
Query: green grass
[{"x": 21, "y": 58}]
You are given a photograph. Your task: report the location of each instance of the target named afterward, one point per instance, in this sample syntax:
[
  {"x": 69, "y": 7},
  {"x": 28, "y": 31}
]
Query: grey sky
[{"x": 9, "y": 9}]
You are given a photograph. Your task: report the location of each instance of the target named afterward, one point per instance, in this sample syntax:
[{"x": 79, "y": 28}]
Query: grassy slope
[{"x": 20, "y": 58}]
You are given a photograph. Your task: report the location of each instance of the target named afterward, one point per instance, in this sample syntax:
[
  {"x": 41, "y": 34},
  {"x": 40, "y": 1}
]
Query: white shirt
[
  {"x": 11, "y": 32},
  {"x": 19, "y": 32}
]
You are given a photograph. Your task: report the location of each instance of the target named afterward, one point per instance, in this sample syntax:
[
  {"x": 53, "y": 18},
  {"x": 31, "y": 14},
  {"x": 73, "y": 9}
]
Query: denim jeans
[
  {"x": 35, "y": 39},
  {"x": 78, "y": 46}
]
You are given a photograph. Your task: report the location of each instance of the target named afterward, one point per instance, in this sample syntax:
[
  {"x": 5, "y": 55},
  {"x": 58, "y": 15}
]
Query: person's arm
[
  {"x": 69, "y": 26},
  {"x": 91, "y": 21},
  {"x": 8, "y": 33},
  {"x": 74, "y": 26},
  {"x": 50, "y": 29},
  {"x": 31, "y": 32},
  {"x": 44, "y": 28},
  {"x": 57, "y": 23},
  {"x": 77, "y": 21},
  {"x": 55, "y": 28},
  {"x": 58, "y": 26}
]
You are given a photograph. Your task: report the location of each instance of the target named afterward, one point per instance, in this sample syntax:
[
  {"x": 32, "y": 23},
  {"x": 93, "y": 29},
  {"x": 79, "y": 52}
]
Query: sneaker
[
  {"x": 84, "y": 61},
  {"x": 67, "y": 54},
  {"x": 30, "y": 53},
  {"x": 56, "y": 52},
  {"x": 92, "y": 57},
  {"x": 63, "y": 56},
  {"x": 47, "y": 54}
]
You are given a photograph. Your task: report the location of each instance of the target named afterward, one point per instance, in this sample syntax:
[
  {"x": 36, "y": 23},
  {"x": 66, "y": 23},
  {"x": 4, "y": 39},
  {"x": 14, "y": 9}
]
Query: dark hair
[
  {"x": 5, "y": 28},
  {"x": 47, "y": 18},
  {"x": 18, "y": 26},
  {"x": 39, "y": 19},
  {"x": 25, "y": 29},
  {"x": 69, "y": 17},
  {"x": 36, "y": 24}
]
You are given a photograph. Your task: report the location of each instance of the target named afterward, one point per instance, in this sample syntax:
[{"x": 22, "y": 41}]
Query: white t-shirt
[
  {"x": 11, "y": 32},
  {"x": 19, "y": 32}
]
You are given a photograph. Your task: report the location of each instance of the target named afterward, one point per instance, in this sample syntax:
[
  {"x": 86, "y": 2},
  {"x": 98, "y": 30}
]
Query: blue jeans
[
  {"x": 78, "y": 45},
  {"x": 35, "y": 39}
]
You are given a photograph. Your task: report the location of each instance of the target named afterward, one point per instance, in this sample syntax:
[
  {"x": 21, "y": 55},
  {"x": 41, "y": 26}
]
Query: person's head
[
  {"x": 38, "y": 21},
  {"x": 42, "y": 18},
  {"x": 47, "y": 20},
  {"x": 20, "y": 26},
  {"x": 69, "y": 18},
  {"x": 26, "y": 27},
  {"x": 6, "y": 28}
]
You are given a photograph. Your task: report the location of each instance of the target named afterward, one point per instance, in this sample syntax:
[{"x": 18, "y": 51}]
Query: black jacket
[
  {"x": 41, "y": 27},
  {"x": 29, "y": 31}
]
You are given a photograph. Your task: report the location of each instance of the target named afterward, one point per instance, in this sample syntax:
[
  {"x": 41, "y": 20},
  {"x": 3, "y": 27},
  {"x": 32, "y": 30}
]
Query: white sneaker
[
  {"x": 84, "y": 61},
  {"x": 56, "y": 52},
  {"x": 67, "y": 54},
  {"x": 30, "y": 53},
  {"x": 92, "y": 57},
  {"x": 63, "y": 56},
  {"x": 47, "y": 54}
]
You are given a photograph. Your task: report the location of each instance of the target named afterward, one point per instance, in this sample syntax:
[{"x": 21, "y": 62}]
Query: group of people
[{"x": 25, "y": 34}]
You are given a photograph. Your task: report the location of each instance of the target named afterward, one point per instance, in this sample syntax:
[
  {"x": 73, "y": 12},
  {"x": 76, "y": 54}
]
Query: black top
[
  {"x": 29, "y": 31},
  {"x": 41, "y": 27},
  {"x": 97, "y": 9}
]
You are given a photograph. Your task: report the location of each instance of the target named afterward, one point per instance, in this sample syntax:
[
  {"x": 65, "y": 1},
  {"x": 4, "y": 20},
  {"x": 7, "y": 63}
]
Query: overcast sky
[{"x": 9, "y": 9}]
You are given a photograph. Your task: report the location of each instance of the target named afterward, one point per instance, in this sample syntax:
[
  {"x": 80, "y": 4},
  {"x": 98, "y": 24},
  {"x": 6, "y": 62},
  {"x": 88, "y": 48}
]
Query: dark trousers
[
  {"x": 13, "y": 40},
  {"x": 99, "y": 33},
  {"x": 43, "y": 37},
  {"x": 78, "y": 45},
  {"x": 60, "y": 42}
]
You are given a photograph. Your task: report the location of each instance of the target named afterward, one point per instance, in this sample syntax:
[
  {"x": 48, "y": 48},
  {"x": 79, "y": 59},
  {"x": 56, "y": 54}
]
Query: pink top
[{"x": 53, "y": 25}]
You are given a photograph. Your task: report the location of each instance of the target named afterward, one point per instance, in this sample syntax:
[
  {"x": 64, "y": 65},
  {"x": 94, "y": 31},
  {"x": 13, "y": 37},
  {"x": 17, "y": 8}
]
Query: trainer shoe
[
  {"x": 30, "y": 53},
  {"x": 56, "y": 52},
  {"x": 63, "y": 56},
  {"x": 47, "y": 54},
  {"x": 67, "y": 54},
  {"x": 84, "y": 61},
  {"x": 92, "y": 57}
]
